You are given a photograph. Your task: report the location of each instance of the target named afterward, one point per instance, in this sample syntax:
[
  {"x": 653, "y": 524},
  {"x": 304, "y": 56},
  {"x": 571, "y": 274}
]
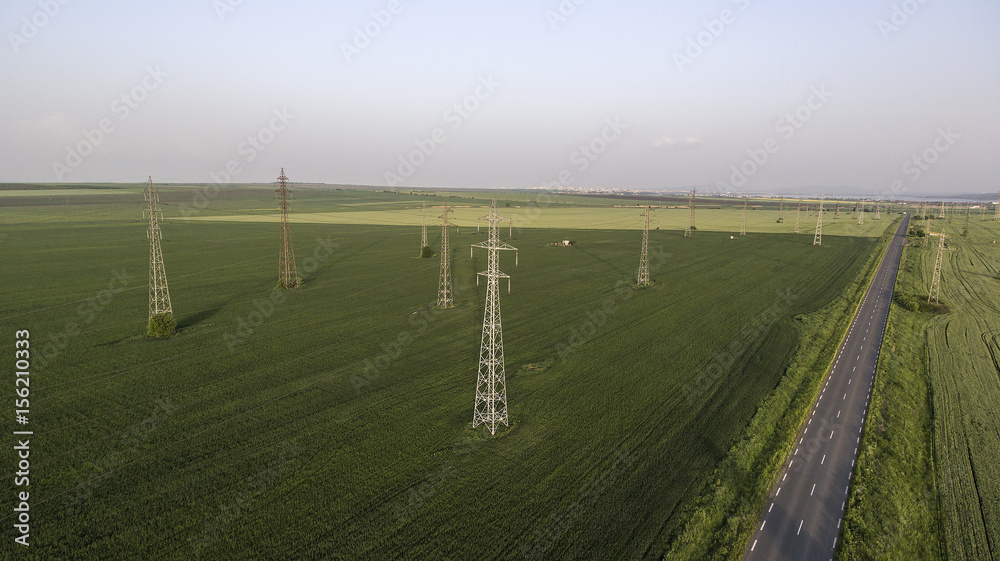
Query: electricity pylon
[
  {"x": 781, "y": 208},
  {"x": 743, "y": 227},
  {"x": 982, "y": 212},
  {"x": 996, "y": 215},
  {"x": 287, "y": 276},
  {"x": 423, "y": 229},
  {"x": 836, "y": 216},
  {"x": 942, "y": 213},
  {"x": 798, "y": 215},
  {"x": 861, "y": 213},
  {"x": 159, "y": 295},
  {"x": 690, "y": 225},
  {"x": 643, "y": 278},
  {"x": 936, "y": 283},
  {"x": 968, "y": 211},
  {"x": 818, "y": 238},
  {"x": 878, "y": 215},
  {"x": 491, "y": 383},
  {"x": 446, "y": 298}
]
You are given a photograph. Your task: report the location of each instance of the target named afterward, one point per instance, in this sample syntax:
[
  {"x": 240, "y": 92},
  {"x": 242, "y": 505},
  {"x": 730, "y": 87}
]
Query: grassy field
[
  {"x": 927, "y": 485},
  {"x": 336, "y": 419},
  {"x": 724, "y": 216}
]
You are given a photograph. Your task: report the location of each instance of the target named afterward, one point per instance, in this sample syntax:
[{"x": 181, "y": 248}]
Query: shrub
[
  {"x": 295, "y": 284},
  {"x": 917, "y": 303},
  {"x": 907, "y": 301},
  {"x": 426, "y": 252},
  {"x": 161, "y": 325}
]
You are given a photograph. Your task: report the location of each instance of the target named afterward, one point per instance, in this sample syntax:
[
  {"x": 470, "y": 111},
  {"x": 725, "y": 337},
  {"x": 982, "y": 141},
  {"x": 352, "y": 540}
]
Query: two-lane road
[{"x": 801, "y": 519}]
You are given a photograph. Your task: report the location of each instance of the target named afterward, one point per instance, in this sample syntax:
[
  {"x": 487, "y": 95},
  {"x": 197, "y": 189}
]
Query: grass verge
[{"x": 892, "y": 510}]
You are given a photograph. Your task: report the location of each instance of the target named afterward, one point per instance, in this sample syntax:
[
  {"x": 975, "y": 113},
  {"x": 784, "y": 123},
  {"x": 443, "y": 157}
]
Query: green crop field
[
  {"x": 928, "y": 485},
  {"x": 334, "y": 420},
  {"x": 963, "y": 354}
]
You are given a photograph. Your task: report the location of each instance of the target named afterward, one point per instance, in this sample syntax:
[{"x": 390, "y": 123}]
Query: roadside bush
[
  {"x": 917, "y": 303},
  {"x": 426, "y": 252},
  {"x": 907, "y": 301}
]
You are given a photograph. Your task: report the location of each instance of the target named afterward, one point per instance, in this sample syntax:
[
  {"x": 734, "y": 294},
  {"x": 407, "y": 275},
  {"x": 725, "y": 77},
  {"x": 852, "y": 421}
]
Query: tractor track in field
[{"x": 991, "y": 342}]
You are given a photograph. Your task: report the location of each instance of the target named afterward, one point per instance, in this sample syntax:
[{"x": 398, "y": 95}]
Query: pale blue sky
[{"x": 557, "y": 85}]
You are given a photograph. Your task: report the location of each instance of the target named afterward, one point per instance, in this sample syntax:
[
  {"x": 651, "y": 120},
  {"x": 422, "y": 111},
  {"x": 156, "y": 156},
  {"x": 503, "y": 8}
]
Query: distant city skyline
[{"x": 881, "y": 99}]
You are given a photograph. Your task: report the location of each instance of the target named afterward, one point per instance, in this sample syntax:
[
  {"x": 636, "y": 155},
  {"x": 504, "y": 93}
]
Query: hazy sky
[{"x": 660, "y": 95}]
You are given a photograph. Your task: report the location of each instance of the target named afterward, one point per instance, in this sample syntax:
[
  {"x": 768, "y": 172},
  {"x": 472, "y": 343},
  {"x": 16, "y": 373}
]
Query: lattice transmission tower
[
  {"x": 968, "y": 211},
  {"x": 798, "y": 217},
  {"x": 159, "y": 295},
  {"x": 491, "y": 383},
  {"x": 836, "y": 215},
  {"x": 743, "y": 225},
  {"x": 446, "y": 297},
  {"x": 941, "y": 214},
  {"x": 287, "y": 276},
  {"x": 878, "y": 215},
  {"x": 936, "y": 282},
  {"x": 781, "y": 208},
  {"x": 643, "y": 277},
  {"x": 690, "y": 225},
  {"x": 818, "y": 238},
  {"x": 996, "y": 214},
  {"x": 861, "y": 213},
  {"x": 423, "y": 229}
]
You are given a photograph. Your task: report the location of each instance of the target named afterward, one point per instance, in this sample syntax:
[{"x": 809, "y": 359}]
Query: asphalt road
[{"x": 801, "y": 519}]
